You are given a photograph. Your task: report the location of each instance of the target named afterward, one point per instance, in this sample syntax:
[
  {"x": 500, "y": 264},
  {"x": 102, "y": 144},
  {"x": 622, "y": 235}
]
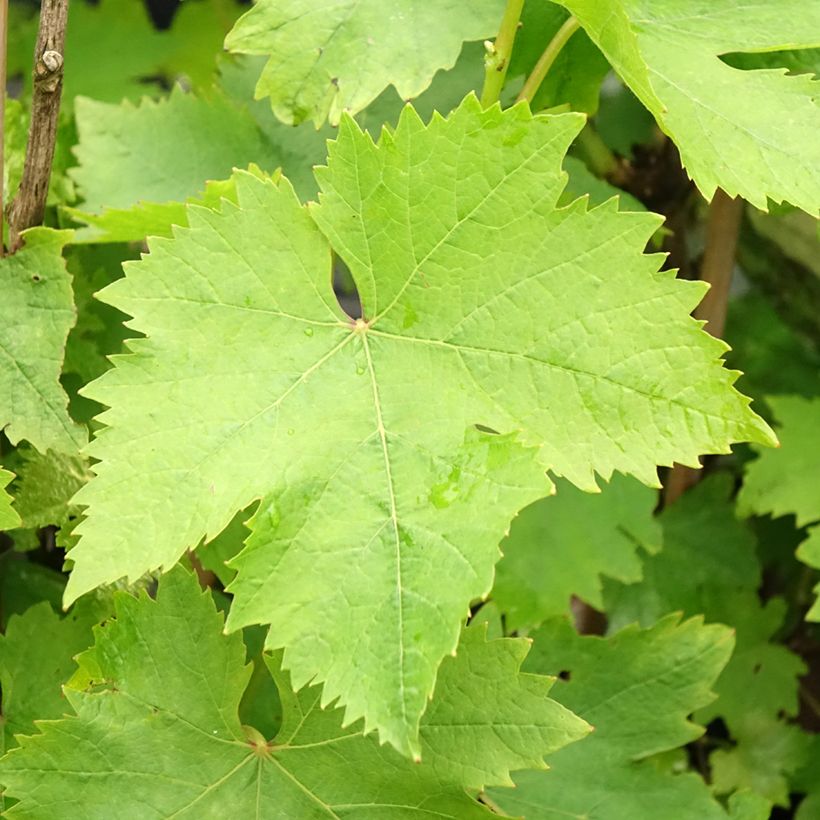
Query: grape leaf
[
  {"x": 560, "y": 546},
  {"x": 668, "y": 52},
  {"x": 36, "y": 314},
  {"x": 328, "y": 57},
  {"x": 190, "y": 140},
  {"x": 36, "y": 659},
  {"x": 158, "y": 730},
  {"x": 599, "y": 367},
  {"x": 9, "y": 518},
  {"x": 764, "y": 757},
  {"x": 776, "y": 482},
  {"x": 708, "y": 567},
  {"x": 99, "y": 331},
  {"x": 113, "y": 51},
  {"x": 45, "y": 485},
  {"x": 809, "y": 553},
  {"x": 24, "y": 584},
  {"x": 636, "y": 688},
  {"x": 487, "y": 718}
]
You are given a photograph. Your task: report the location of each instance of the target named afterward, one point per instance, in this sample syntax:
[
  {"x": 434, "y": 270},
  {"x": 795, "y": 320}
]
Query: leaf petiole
[
  {"x": 545, "y": 61},
  {"x": 497, "y": 60}
]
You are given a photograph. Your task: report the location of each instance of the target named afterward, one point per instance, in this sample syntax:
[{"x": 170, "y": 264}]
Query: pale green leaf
[
  {"x": 9, "y": 517},
  {"x": 157, "y": 730},
  {"x": 333, "y": 56},
  {"x": 483, "y": 304},
  {"x": 487, "y": 718},
  {"x": 779, "y": 481},
  {"x": 751, "y": 133},
  {"x": 36, "y": 659},
  {"x": 637, "y": 689},
  {"x": 36, "y": 313},
  {"x": 560, "y": 546}
]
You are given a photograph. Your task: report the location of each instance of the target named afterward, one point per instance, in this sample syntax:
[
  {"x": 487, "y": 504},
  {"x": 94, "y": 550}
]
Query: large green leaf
[
  {"x": 36, "y": 313},
  {"x": 777, "y": 482},
  {"x": 561, "y": 545},
  {"x": 809, "y": 553},
  {"x": 9, "y": 518},
  {"x": 332, "y": 56},
  {"x": 637, "y": 689},
  {"x": 751, "y": 133},
  {"x": 157, "y": 731},
  {"x": 483, "y": 304}
]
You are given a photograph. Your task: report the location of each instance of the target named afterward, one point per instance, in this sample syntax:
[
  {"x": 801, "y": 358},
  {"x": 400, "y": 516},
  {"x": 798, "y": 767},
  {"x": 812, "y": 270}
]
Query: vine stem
[
  {"x": 545, "y": 61},
  {"x": 722, "y": 232},
  {"x": 4, "y": 27},
  {"x": 28, "y": 207},
  {"x": 497, "y": 60}
]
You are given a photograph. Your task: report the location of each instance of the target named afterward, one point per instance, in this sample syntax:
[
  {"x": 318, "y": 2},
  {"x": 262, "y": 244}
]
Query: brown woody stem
[
  {"x": 28, "y": 206},
  {"x": 4, "y": 27}
]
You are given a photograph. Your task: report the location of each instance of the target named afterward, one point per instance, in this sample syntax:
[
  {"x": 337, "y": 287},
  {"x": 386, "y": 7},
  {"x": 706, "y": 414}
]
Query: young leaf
[
  {"x": 777, "y": 481},
  {"x": 328, "y": 57},
  {"x": 560, "y": 546},
  {"x": 669, "y": 53},
  {"x": 637, "y": 689},
  {"x": 36, "y": 313},
  {"x": 483, "y": 304},
  {"x": 9, "y": 517},
  {"x": 158, "y": 731}
]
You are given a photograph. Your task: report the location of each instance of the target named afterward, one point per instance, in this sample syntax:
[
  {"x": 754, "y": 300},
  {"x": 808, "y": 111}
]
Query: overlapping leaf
[
  {"x": 36, "y": 313},
  {"x": 708, "y": 567},
  {"x": 483, "y": 304},
  {"x": 782, "y": 482},
  {"x": 9, "y": 518},
  {"x": 560, "y": 546},
  {"x": 637, "y": 689},
  {"x": 669, "y": 53},
  {"x": 190, "y": 140},
  {"x": 45, "y": 485},
  {"x": 776, "y": 482},
  {"x": 332, "y": 56},
  {"x": 36, "y": 658},
  {"x": 158, "y": 726},
  {"x": 113, "y": 51}
]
